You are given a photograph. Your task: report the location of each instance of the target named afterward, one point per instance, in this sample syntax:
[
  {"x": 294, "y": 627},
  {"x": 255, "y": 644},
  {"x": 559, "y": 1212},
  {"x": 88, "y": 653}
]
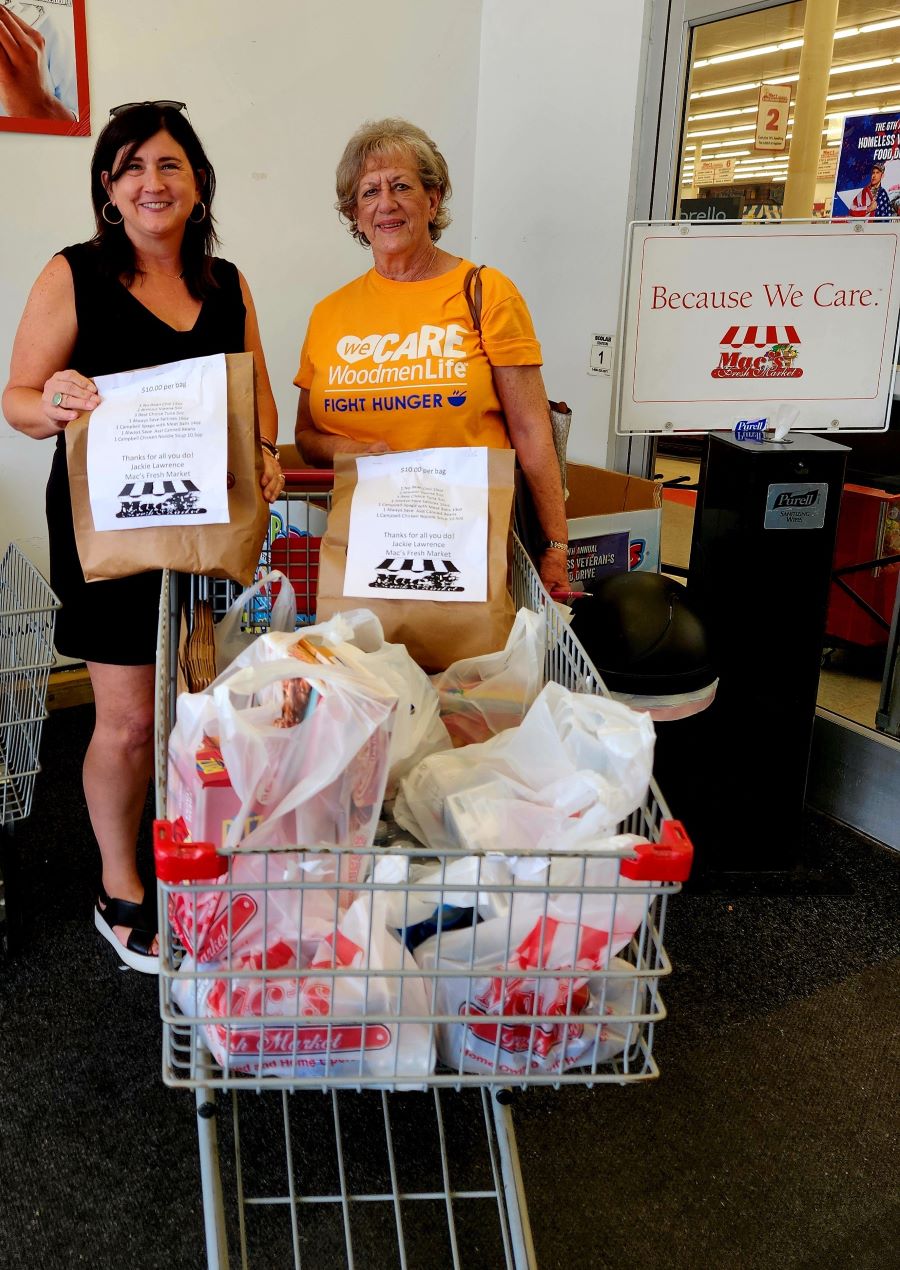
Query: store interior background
[
  {"x": 730, "y": 58},
  {"x": 542, "y": 135},
  {"x": 275, "y": 94}
]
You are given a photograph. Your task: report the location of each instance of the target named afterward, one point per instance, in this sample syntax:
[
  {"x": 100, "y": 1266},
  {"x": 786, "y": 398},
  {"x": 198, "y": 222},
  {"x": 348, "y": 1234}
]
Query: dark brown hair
[{"x": 130, "y": 129}]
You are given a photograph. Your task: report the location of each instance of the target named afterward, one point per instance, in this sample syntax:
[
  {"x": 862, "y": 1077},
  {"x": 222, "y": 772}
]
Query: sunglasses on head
[{"x": 131, "y": 105}]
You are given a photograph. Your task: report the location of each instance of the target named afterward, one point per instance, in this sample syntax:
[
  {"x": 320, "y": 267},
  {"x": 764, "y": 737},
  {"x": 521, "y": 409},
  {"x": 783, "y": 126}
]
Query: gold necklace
[
  {"x": 416, "y": 277},
  {"x": 158, "y": 273},
  {"x": 427, "y": 269}
]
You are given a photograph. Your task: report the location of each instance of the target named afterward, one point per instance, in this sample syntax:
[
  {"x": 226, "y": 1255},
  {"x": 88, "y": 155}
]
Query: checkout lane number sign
[{"x": 792, "y": 322}]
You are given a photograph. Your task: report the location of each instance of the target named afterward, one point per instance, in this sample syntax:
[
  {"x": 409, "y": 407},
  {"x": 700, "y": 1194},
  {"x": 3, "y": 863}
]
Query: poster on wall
[
  {"x": 792, "y": 323},
  {"x": 867, "y": 185},
  {"x": 43, "y": 68}
]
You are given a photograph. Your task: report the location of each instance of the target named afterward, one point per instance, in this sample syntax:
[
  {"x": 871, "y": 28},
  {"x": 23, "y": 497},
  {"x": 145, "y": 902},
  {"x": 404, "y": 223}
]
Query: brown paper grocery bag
[
  {"x": 436, "y": 633},
  {"x": 219, "y": 551}
]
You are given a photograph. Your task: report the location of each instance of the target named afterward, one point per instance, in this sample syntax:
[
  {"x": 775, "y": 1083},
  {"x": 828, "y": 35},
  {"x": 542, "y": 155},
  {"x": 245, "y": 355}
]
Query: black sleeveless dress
[{"x": 116, "y": 621}]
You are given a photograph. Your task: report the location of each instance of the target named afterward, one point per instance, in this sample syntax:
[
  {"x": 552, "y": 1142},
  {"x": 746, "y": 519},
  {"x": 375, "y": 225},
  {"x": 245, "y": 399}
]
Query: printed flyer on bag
[
  {"x": 418, "y": 526},
  {"x": 158, "y": 446}
]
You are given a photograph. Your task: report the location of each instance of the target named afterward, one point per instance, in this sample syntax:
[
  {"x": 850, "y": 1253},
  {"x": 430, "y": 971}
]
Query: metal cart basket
[
  {"x": 27, "y": 619},
  {"x": 344, "y": 1002}
]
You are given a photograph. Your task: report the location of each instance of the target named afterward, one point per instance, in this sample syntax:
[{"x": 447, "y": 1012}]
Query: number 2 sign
[{"x": 772, "y": 116}]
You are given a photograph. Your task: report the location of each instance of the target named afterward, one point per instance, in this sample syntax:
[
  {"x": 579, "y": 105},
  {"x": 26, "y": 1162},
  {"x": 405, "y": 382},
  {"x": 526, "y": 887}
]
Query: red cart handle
[
  {"x": 668, "y": 860},
  {"x": 318, "y": 478},
  {"x": 181, "y": 861}
]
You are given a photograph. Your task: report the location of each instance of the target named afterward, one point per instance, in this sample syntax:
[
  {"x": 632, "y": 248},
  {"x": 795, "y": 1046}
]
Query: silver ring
[{"x": 57, "y": 398}]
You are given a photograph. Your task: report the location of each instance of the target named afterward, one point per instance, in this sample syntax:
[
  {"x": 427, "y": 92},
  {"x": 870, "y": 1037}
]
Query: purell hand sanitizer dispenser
[{"x": 760, "y": 570}]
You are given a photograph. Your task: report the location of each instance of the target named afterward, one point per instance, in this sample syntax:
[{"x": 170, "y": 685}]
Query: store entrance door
[{"x": 710, "y": 62}]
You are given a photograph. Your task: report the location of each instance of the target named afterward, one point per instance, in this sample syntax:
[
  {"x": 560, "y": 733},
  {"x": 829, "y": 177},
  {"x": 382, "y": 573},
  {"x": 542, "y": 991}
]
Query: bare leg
[{"x": 117, "y": 769}]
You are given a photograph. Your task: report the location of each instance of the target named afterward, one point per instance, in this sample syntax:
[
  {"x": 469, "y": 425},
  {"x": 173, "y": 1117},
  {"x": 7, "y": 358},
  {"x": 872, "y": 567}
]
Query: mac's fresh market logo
[
  {"x": 159, "y": 498},
  {"x": 758, "y": 352},
  {"x": 399, "y": 574}
]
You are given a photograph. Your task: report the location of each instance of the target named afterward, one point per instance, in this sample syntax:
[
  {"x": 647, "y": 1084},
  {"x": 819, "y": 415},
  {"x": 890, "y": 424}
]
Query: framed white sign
[{"x": 792, "y": 321}]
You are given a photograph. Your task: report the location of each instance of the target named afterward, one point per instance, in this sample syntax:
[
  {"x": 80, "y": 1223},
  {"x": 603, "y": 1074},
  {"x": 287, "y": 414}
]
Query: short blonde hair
[{"x": 389, "y": 137}]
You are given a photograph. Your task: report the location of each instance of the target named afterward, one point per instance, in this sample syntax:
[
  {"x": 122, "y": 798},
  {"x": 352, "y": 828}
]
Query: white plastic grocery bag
[
  {"x": 481, "y": 696},
  {"x": 320, "y": 1020},
  {"x": 356, "y": 640},
  {"x": 231, "y": 640},
  {"x": 577, "y": 934},
  {"x": 263, "y": 905},
  {"x": 306, "y": 767},
  {"x": 419, "y": 891},
  {"x": 573, "y": 751},
  {"x": 418, "y": 730}
]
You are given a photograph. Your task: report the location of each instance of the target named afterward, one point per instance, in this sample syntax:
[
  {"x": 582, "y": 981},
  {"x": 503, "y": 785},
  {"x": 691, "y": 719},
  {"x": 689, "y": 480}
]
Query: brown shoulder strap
[{"x": 472, "y": 292}]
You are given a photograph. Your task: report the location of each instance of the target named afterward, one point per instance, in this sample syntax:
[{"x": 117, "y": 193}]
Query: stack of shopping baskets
[{"x": 27, "y": 619}]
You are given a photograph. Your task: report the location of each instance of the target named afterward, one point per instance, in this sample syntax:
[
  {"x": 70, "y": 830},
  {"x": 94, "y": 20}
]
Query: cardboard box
[
  {"x": 614, "y": 522},
  {"x": 205, "y": 799}
]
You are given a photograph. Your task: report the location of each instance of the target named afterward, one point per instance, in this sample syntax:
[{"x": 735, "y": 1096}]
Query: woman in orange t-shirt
[{"x": 393, "y": 360}]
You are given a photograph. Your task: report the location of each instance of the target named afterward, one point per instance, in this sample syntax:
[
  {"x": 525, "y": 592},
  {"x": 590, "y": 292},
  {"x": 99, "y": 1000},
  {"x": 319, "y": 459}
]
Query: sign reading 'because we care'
[{"x": 724, "y": 320}]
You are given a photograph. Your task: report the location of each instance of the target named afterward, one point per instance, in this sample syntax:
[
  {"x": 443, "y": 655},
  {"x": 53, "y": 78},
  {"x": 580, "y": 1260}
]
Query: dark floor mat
[{"x": 769, "y": 1139}]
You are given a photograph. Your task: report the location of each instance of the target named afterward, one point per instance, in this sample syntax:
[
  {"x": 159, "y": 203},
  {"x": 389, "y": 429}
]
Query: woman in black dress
[{"x": 145, "y": 290}]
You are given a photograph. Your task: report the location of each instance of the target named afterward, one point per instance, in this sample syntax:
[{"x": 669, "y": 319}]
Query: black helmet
[{"x": 642, "y": 635}]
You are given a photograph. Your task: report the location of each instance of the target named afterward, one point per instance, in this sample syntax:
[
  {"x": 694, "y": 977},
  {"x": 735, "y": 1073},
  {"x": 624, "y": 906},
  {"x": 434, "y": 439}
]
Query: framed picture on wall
[{"x": 43, "y": 68}]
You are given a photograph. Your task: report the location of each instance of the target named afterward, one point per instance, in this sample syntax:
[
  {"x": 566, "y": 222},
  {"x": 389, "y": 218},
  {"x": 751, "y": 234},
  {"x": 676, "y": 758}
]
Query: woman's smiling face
[
  {"x": 157, "y": 190},
  {"x": 393, "y": 208}
]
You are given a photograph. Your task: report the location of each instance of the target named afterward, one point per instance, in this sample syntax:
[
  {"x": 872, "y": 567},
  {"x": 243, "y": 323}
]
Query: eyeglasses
[{"x": 160, "y": 105}]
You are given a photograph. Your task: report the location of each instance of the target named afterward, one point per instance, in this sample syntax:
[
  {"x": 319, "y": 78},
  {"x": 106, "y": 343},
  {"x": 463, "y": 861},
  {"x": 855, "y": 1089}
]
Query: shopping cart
[
  {"x": 363, "y": 1028},
  {"x": 27, "y": 619}
]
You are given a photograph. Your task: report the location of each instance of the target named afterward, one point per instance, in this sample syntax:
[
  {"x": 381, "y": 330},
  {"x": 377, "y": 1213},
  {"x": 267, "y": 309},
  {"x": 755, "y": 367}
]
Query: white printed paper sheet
[
  {"x": 419, "y": 526},
  {"x": 158, "y": 446}
]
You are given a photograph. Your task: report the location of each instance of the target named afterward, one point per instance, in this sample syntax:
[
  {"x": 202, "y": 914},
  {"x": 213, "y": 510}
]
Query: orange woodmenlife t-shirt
[{"x": 400, "y": 362}]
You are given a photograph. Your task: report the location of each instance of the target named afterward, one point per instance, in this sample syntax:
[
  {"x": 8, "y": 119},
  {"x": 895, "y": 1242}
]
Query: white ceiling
[{"x": 864, "y": 88}]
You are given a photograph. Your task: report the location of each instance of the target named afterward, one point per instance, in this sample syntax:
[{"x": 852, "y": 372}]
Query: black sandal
[{"x": 142, "y": 920}]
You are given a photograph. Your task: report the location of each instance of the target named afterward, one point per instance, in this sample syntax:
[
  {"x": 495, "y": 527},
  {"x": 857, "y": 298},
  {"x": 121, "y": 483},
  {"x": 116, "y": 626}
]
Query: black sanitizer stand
[{"x": 760, "y": 570}]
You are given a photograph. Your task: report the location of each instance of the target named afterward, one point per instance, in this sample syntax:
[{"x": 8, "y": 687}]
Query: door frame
[
  {"x": 854, "y": 773},
  {"x": 669, "y": 31}
]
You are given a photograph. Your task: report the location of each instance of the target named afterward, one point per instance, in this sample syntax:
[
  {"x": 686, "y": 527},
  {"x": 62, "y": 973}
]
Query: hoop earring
[
  {"x": 106, "y": 218},
  {"x": 198, "y": 220}
]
